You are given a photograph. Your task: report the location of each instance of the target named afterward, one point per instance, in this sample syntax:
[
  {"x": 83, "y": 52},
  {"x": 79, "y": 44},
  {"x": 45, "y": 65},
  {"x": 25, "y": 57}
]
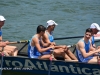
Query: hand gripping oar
[{"x": 2, "y": 54}]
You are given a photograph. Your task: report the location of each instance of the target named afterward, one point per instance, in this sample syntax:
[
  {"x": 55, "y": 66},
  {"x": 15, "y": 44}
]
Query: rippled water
[{"x": 73, "y": 17}]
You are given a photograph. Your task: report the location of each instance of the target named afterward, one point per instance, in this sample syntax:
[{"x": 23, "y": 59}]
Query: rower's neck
[
  {"x": 49, "y": 31},
  {"x": 38, "y": 35},
  {"x": 86, "y": 40}
]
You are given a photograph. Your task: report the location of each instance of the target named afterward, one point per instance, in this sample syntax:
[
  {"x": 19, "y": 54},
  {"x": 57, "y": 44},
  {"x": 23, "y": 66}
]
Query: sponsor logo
[{"x": 42, "y": 66}]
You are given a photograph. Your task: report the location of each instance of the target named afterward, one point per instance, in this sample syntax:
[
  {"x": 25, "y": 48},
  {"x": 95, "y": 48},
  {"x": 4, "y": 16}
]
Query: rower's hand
[
  {"x": 53, "y": 43},
  {"x": 98, "y": 50},
  {"x": 52, "y": 47},
  {"x": 7, "y": 42},
  {"x": 63, "y": 46}
]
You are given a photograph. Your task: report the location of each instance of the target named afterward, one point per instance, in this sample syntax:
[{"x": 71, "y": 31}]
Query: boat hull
[
  {"x": 38, "y": 66},
  {"x": 24, "y": 65}
]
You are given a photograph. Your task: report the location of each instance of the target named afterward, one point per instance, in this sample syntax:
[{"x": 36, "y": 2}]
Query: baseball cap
[
  {"x": 2, "y": 18},
  {"x": 95, "y": 25},
  {"x": 51, "y": 22}
]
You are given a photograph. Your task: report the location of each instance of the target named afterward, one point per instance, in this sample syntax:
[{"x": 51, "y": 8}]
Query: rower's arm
[
  {"x": 45, "y": 44},
  {"x": 0, "y": 38},
  {"x": 38, "y": 46},
  {"x": 83, "y": 51},
  {"x": 46, "y": 38}
]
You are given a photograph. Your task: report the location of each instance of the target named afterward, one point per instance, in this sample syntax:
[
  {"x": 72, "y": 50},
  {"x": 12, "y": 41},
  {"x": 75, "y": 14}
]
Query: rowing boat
[
  {"x": 24, "y": 65},
  {"x": 38, "y": 66}
]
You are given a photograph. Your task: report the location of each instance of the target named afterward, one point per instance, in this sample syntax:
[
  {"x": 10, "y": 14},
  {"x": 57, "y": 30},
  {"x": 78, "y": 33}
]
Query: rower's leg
[
  {"x": 12, "y": 50},
  {"x": 46, "y": 56},
  {"x": 94, "y": 60},
  {"x": 70, "y": 54},
  {"x": 60, "y": 52},
  {"x": 15, "y": 52},
  {"x": 6, "y": 53}
]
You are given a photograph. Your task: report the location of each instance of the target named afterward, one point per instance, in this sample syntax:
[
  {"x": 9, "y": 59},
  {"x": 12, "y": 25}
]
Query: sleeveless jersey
[
  {"x": 0, "y": 32},
  {"x": 51, "y": 38},
  {"x": 79, "y": 54},
  {"x": 92, "y": 40},
  {"x": 32, "y": 50}
]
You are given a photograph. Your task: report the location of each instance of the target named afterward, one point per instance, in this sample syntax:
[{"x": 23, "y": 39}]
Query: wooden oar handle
[
  {"x": 69, "y": 46},
  {"x": 18, "y": 42}
]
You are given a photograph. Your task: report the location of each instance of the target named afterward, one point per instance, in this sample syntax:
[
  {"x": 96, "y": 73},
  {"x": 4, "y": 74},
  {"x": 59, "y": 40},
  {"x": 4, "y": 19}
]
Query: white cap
[
  {"x": 2, "y": 18},
  {"x": 95, "y": 25},
  {"x": 51, "y": 22}
]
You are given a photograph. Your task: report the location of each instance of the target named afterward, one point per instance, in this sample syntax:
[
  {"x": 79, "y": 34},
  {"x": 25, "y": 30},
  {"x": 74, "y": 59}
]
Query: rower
[
  {"x": 83, "y": 49},
  {"x": 9, "y": 50},
  {"x": 95, "y": 29},
  {"x": 48, "y": 38}
]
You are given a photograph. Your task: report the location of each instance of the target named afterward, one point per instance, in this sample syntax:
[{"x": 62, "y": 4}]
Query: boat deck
[{"x": 22, "y": 47}]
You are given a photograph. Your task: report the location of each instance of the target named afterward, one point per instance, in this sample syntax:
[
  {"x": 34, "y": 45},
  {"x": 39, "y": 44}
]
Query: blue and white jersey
[
  {"x": 92, "y": 40},
  {"x": 0, "y": 32},
  {"x": 32, "y": 50},
  {"x": 79, "y": 54},
  {"x": 50, "y": 36}
]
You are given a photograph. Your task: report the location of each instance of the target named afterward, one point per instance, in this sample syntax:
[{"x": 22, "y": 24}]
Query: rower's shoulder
[{"x": 80, "y": 42}]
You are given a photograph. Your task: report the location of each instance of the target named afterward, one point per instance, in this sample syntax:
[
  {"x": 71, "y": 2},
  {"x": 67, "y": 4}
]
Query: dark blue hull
[{"x": 37, "y": 66}]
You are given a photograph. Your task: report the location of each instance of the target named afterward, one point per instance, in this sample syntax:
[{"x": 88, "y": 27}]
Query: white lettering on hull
[
  {"x": 17, "y": 64},
  {"x": 29, "y": 65}
]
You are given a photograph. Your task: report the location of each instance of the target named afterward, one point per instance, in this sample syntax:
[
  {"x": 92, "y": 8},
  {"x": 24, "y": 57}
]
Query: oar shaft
[
  {"x": 18, "y": 42},
  {"x": 68, "y": 37}
]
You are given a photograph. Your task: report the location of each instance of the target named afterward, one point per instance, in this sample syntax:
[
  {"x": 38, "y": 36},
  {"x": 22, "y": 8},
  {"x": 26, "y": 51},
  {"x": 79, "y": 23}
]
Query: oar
[
  {"x": 23, "y": 41},
  {"x": 23, "y": 47},
  {"x": 2, "y": 54},
  {"x": 68, "y": 37},
  {"x": 18, "y": 42},
  {"x": 60, "y": 38}
]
